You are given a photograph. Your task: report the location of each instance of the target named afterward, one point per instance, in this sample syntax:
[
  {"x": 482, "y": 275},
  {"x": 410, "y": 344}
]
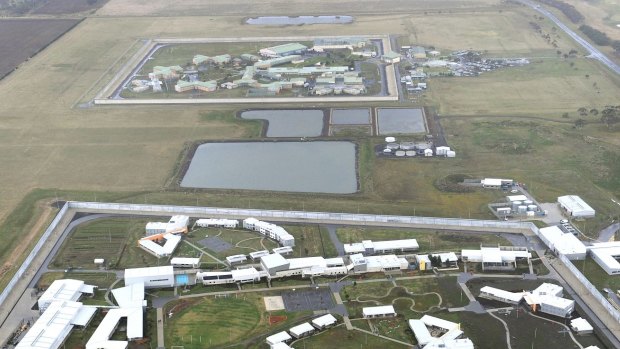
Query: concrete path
[
  {"x": 331, "y": 229},
  {"x": 606, "y": 234},
  {"x": 160, "y": 328},
  {"x": 505, "y": 327}
]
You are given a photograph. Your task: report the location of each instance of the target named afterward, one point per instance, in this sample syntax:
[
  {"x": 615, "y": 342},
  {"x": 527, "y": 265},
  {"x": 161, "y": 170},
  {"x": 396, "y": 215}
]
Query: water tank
[
  {"x": 532, "y": 208},
  {"x": 387, "y": 151},
  {"x": 522, "y": 209},
  {"x": 528, "y": 202},
  {"x": 516, "y": 204},
  {"x": 400, "y": 153},
  {"x": 392, "y": 146},
  {"x": 410, "y": 152},
  {"x": 390, "y": 139}
]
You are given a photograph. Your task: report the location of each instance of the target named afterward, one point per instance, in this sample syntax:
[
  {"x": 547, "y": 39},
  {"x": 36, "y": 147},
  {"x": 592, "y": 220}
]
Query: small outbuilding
[
  {"x": 378, "y": 312},
  {"x": 324, "y": 321},
  {"x": 302, "y": 330},
  {"x": 575, "y": 207}
]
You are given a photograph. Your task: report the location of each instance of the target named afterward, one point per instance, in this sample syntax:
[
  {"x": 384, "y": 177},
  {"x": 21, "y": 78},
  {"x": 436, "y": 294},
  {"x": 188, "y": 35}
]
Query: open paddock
[{"x": 23, "y": 38}]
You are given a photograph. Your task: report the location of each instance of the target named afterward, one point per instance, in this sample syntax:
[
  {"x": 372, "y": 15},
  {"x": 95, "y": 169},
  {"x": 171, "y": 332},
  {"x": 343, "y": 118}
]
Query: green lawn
[
  {"x": 311, "y": 240},
  {"x": 101, "y": 280},
  {"x": 597, "y": 276},
  {"x": 339, "y": 337},
  {"x": 243, "y": 241}
]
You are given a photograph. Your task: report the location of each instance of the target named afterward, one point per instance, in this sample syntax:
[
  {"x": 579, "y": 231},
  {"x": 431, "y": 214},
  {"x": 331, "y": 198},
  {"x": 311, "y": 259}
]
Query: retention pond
[
  {"x": 289, "y": 123},
  {"x": 316, "y": 167}
]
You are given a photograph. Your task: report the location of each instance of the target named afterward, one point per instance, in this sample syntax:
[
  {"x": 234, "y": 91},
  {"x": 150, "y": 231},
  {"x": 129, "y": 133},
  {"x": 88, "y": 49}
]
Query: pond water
[
  {"x": 400, "y": 120},
  {"x": 317, "y": 167},
  {"x": 285, "y": 20},
  {"x": 350, "y": 116},
  {"x": 289, "y": 123}
]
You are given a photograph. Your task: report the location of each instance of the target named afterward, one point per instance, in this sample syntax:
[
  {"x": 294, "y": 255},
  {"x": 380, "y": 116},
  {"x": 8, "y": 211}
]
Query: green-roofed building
[
  {"x": 201, "y": 59},
  {"x": 391, "y": 57},
  {"x": 206, "y": 86},
  {"x": 250, "y": 58},
  {"x": 171, "y": 72},
  {"x": 221, "y": 59},
  {"x": 293, "y": 48}
]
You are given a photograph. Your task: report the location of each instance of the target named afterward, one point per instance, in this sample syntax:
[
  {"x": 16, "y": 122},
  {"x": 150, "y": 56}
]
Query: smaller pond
[
  {"x": 401, "y": 120},
  {"x": 285, "y": 20},
  {"x": 289, "y": 123},
  {"x": 350, "y": 116},
  {"x": 316, "y": 167}
]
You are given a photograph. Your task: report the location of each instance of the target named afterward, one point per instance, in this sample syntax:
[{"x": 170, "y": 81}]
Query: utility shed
[
  {"x": 581, "y": 326},
  {"x": 574, "y": 206}
]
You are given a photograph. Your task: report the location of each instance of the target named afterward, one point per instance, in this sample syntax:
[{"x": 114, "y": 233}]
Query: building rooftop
[
  {"x": 380, "y": 310},
  {"x": 148, "y": 271},
  {"x": 575, "y": 204},
  {"x": 440, "y": 323},
  {"x": 53, "y": 327},
  {"x": 279, "y": 337},
  {"x": 391, "y": 55},
  {"x": 325, "y": 320},
  {"x": 301, "y": 329},
  {"x": 419, "y": 329},
  {"x": 184, "y": 260},
  {"x": 288, "y": 47},
  {"x": 274, "y": 260}
]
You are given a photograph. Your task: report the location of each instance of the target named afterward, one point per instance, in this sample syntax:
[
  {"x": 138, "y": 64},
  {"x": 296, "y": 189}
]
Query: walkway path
[
  {"x": 505, "y": 327},
  {"x": 331, "y": 229},
  {"x": 203, "y": 251},
  {"x": 160, "y": 328}
]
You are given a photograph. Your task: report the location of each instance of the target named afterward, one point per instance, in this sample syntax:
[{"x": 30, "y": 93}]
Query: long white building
[
  {"x": 373, "y": 264},
  {"x": 217, "y": 223},
  {"x": 228, "y": 277},
  {"x": 368, "y": 247},
  {"x": 497, "y": 258},
  {"x": 185, "y": 262},
  {"x": 151, "y": 277},
  {"x": 547, "y": 298},
  {"x": 606, "y": 255},
  {"x": 575, "y": 207},
  {"x": 272, "y": 231},
  {"x": 379, "y": 311},
  {"x": 563, "y": 243}
]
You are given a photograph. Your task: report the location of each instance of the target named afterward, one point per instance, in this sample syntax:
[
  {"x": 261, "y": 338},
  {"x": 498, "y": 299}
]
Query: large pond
[
  {"x": 350, "y": 116},
  {"x": 317, "y": 167},
  {"x": 289, "y": 123},
  {"x": 400, "y": 120},
  {"x": 285, "y": 20}
]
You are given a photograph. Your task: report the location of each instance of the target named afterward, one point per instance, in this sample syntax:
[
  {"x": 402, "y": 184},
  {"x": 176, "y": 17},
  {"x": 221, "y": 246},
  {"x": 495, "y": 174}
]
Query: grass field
[
  {"x": 597, "y": 276},
  {"x": 113, "y": 239},
  {"x": 23, "y": 38},
  {"x": 339, "y": 337},
  {"x": 427, "y": 240},
  {"x": 243, "y": 241},
  {"x": 211, "y": 322},
  {"x": 311, "y": 240}
]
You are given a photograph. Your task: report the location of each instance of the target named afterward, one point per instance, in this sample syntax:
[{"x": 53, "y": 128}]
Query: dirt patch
[
  {"x": 273, "y": 303},
  {"x": 21, "y": 39},
  {"x": 275, "y": 319}
]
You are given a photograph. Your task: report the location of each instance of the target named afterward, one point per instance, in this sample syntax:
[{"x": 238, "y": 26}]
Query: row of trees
[
  {"x": 610, "y": 115},
  {"x": 567, "y": 9}
]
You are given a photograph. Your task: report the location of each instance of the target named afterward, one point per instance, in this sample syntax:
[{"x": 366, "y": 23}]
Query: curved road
[{"x": 594, "y": 52}]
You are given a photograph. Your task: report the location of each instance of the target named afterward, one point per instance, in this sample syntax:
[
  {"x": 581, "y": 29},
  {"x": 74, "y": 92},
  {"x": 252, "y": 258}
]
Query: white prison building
[
  {"x": 368, "y": 247},
  {"x": 373, "y": 264},
  {"x": 258, "y": 254},
  {"x": 324, "y": 321},
  {"x": 279, "y": 337},
  {"x": 563, "y": 243},
  {"x": 272, "y": 231},
  {"x": 284, "y": 250},
  {"x": 574, "y": 206},
  {"x": 495, "y": 183},
  {"x": 185, "y": 262},
  {"x": 606, "y": 255},
  {"x": 176, "y": 224},
  {"x": 151, "y": 277},
  {"x": 496, "y": 258},
  {"x": 157, "y": 250},
  {"x": 217, "y": 223},
  {"x": 64, "y": 290},
  {"x": 581, "y": 326},
  {"x": 236, "y": 259},
  {"x": 228, "y": 277},
  {"x": 302, "y": 330},
  {"x": 546, "y": 298},
  {"x": 380, "y": 311}
]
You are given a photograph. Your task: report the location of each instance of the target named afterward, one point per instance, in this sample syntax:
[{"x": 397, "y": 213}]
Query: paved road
[
  {"x": 606, "y": 234},
  {"x": 331, "y": 229},
  {"x": 594, "y": 52}
]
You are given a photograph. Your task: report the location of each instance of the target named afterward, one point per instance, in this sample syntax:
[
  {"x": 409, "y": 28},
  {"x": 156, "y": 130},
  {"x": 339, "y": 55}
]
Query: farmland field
[
  {"x": 113, "y": 239},
  {"x": 59, "y": 7},
  {"x": 23, "y": 38}
]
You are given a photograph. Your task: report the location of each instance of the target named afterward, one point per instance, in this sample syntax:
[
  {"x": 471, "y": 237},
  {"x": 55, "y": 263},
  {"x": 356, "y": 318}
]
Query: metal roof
[
  {"x": 422, "y": 335},
  {"x": 575, "y": 204},
  {"x": 325, "y": 320},
  {"x": 278, "y": 337},
  {"x": 437, "y": 322},
  {"x": 301, "y": 329},
  {"x": 380, "y": 310},
  {"x": 53, "y": 327}
]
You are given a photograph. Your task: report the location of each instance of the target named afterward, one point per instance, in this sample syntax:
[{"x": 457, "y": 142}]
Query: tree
[
  {"x": 582, "y": 111},
  {"x": 594, "y": 111},
  {"x": 565, "y": 115},
  {"x": 580, "y": 123}
]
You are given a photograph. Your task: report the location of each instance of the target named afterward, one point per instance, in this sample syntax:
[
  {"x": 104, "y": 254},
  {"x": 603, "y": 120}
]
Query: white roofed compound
[
  {"x": 574, "y": 206},
  {"x": 432, "y": 321},
  {"x": 547, "y": 298},
  {"x": 605, "y": 254},
  {"x": 563, "y": 243},
  {"x": 390, "y": 246},
  {"x": 497, "y": 294},
  {"x": 495, "y": 183},
  {"x": 380, "y": 311},
  {"x": 176, "y": 224},
  {"x": 157, "y": 250},
  {"x": 496, "y": 258},
  {"x": 419, "y": 329},
  {"x": 64, "y": 290}
]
